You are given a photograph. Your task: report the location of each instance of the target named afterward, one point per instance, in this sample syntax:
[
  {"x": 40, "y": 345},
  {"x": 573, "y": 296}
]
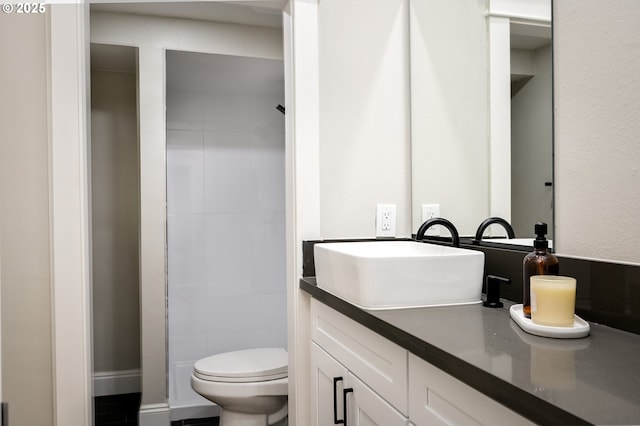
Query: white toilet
[{"x": 250, "y": 386}]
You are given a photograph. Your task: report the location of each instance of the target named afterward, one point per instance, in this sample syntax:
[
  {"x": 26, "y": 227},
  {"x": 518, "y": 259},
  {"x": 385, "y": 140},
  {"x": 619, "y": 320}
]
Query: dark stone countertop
[{"x": 592, "y": 380}]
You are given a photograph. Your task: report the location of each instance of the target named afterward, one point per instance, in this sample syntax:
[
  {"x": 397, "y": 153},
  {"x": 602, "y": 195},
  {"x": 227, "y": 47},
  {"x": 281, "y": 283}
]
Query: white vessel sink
[{"x": 399, "y": 274}]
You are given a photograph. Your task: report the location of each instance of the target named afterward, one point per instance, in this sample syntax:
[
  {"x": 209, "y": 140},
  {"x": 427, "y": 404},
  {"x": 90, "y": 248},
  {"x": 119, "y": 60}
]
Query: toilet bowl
[{"x": 250, "y": 386}]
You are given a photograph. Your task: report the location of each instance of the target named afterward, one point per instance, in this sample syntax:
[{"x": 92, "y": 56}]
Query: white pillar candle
[{"x": 553, "y": 300}]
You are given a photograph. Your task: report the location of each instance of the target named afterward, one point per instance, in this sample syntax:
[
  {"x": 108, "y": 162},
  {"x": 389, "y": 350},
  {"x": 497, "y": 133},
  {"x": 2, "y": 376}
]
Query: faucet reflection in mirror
[{"x": 494, "y": 220}]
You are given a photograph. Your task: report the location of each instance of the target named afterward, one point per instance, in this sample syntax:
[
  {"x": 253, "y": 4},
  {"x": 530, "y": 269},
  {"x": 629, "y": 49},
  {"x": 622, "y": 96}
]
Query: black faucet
[
  {"x": 455, "y": 238},
  {"x": 498, "y": 220}
]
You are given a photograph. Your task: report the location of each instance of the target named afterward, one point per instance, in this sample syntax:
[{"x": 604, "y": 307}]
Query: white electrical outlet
[
  {"x": 429, "y": 211},
  {"x": 386, "y": 220}
]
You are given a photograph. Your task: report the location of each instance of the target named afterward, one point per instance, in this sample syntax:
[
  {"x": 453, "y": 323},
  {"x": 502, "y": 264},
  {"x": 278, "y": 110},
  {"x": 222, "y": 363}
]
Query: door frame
[{"x": 69, "y": 212}]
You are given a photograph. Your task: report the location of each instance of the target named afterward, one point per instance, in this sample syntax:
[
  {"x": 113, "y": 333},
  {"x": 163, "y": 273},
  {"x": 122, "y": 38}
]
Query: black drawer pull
[
  {"x": 344, "y": 402},
  {"x": 335, "y": 402}
]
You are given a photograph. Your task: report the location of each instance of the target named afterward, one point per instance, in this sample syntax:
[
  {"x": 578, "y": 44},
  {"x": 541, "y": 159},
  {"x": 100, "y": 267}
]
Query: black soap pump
[
  {"x": 539, "y": 262},
  {"x": 493, "y": 291}
]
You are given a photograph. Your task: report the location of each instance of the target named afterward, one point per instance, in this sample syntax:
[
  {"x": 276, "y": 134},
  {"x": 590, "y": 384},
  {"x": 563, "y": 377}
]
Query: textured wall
[
  {"x": 24, "y": 221},
  {"x": 597, "y": 123}
]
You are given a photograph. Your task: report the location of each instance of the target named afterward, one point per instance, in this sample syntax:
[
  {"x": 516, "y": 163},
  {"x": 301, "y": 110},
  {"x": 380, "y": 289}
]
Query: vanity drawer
[
  {"x": 381, "y": 364},
  {"x": 436, "y": 398}
]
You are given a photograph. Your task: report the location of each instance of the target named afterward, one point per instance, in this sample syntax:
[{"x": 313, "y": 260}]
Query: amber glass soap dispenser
[{"x": 539, "y": 262}]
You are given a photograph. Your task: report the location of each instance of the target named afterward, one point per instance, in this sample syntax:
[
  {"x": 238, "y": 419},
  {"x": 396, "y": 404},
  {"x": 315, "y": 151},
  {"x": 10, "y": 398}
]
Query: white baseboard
[
  {"x": 116, "y": 382},
  {"x": 154, "y": 415},
  {"x": 194, "y": 412}
]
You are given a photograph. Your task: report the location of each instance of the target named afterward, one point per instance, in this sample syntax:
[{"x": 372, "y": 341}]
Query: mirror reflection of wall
[
  {"x": 531, "y": 127},
  {"x": 449, "y": 111},
  {"x": 481, "y": 112}
]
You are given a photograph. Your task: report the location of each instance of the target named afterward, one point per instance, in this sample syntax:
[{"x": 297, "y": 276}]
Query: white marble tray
[{"x": 579, "y": 329}]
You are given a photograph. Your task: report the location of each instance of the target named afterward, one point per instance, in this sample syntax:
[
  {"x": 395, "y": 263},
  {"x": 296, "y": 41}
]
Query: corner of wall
[{"x": 154, "y": 415}]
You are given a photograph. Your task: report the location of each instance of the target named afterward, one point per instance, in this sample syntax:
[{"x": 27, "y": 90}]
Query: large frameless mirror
[{"x": 481, "y": 113}]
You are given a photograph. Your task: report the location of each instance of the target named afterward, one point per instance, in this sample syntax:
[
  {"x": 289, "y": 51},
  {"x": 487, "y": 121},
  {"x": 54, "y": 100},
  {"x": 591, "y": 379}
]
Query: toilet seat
[{"x": 246, "y": 366}]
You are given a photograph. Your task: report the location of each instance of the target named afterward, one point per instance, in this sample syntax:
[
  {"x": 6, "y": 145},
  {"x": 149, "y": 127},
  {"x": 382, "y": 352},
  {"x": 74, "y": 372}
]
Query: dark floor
[
  {"x": 211, "y": 421},
  {"x": 117, "y": 409},
  {"x": 122, "y": 410}
]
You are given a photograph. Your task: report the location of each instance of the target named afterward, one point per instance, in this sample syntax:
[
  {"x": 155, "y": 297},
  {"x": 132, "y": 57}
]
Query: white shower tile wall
[{"x": 226, "y": 228}]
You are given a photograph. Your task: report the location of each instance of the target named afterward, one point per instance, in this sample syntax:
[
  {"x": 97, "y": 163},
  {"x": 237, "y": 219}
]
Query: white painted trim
[
  {"x": 154, "y": 415},
  {"x": 185, "y": 34},
  {"x": 70, "y": 218},
  {"x": 527, "y": 10},
  {"x": 116, "y": 382},
  {"x": 302, "y": 162},
  {"x": 194, "y": 412},
  {"x": 153, "y": 218}
]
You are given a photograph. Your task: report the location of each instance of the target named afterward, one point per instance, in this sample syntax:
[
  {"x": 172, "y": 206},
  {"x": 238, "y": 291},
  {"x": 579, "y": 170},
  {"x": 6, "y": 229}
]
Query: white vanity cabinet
[
  {"x": 351, "y": 363},
  {"x": 383, "y": 384}
]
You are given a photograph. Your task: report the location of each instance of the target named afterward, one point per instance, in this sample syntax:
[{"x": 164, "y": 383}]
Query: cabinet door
[
  {"x": 367, "y": 408},
  {"x": 332, "y": 384},
  {"x": 328, "y": 378}
]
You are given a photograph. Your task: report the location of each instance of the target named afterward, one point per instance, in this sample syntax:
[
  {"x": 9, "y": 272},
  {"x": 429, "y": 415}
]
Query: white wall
[
  {"x": 597, "y": 123},
  {"x": 115, "y": 215},
  {"x": 226, "y": 210},
  {"x": 364, "y": 115},
  {"x": 27, "y": 371},
  {"x": 449, "y": 111},
  {"x": 348, "y": 145}
]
